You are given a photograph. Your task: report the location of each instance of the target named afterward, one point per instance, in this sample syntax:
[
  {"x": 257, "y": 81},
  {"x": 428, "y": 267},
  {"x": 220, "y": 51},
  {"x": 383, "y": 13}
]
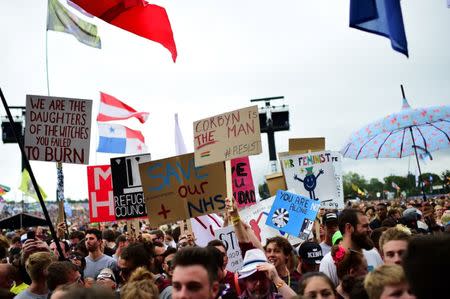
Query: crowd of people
[{"x": 376, "y": 250}]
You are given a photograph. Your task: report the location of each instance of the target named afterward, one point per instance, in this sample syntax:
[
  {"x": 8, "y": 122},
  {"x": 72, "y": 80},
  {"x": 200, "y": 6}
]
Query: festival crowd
[{"x": 370, "y": 249}]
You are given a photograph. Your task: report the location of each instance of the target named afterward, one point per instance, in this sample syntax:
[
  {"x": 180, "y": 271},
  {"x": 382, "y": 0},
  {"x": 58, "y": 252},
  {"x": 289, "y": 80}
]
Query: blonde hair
[
  {"x": 37, "y": 264},
  {"x": 393, "y": 234},
  {"x": 140, "y": 285},
  {"x": 382, "y": 276}
]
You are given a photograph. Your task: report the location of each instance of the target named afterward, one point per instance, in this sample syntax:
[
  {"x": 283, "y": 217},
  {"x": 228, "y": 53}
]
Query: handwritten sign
[
  {"x": 58, "y": 129},
  {"x": 228, "y": 237},
  {"x": 293, "y": 214},
  {"x": 243, "y": 188},
  {"x": 128, "y": 196},
  {"x": 316, "y": 175},
  {"x": 205, "y": 227},
  {"x": 175, "y": 189},
  {"x": 227, "y": 136},
  {"x": 101, "y": 197},
  {"x": 256, "y": 216}
]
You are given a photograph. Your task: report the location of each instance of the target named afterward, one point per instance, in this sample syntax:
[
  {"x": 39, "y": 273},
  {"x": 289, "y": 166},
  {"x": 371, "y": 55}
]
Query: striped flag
[
  {"x": 113, "y": 109},
  {"x": 115, "y": 138},
  {"x": 60, "y": 19}
]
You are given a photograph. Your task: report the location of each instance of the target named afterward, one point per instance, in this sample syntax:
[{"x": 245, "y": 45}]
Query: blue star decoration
[{"x": 111, "y": 130}]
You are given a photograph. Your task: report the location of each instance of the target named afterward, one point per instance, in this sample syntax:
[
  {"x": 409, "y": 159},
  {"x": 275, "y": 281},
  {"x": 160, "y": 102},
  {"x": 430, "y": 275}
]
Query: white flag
[{"x": 180, "y": 147}]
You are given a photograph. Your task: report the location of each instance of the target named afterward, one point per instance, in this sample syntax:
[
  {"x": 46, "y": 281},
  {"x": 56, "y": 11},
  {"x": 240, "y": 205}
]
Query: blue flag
[{"x": 382, "y": 17}]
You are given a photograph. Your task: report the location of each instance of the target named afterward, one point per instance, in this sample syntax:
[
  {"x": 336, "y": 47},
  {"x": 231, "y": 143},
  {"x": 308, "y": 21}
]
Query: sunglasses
[
  {"x": 75, "y": 257},
  {"x": 183, "y": 244}
]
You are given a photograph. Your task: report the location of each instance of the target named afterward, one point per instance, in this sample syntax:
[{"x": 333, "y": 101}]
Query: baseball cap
[
  {"x": 310, "y": 252},
  {"x": 106, "y": 273},
  {"x": 337, "y": 236},
  {"x": 330, "y": 218}
]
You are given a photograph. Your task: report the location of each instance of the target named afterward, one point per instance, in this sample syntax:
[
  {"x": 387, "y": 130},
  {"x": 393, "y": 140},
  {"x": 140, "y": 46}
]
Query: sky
[{"x": 334, "y": 79}]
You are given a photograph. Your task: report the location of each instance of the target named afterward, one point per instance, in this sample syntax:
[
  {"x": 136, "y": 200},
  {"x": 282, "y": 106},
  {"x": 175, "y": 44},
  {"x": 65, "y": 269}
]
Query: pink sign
[
  {"x": 243, "y": 188},
  {"x": 101, "y": 198}
]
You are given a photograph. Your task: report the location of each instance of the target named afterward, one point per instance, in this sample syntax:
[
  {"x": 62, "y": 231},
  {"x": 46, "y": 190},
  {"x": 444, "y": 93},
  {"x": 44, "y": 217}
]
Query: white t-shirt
[
  {"x": 28, "y": 295},
  {"x": 328, "y": 267},
  {"x": 325, "y": 248}
]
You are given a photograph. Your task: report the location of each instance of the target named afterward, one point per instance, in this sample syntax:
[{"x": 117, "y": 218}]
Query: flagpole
[
  {"x": 33, "y": 179},
  {"x": 46, "y": 61}
]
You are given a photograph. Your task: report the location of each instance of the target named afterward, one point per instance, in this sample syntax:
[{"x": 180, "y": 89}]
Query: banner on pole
[
  {"x": 243, "y": 188},
  {"x": 57, "y": 129},
  {"x": 227, "y": 136},
  {"x": 175, "y": 189},
  {"x": 128, "y": 196},
  {"x": 101, "y": 197},
  {"x": 293, "y": 214},
  {"x": 316, "y": 175}
]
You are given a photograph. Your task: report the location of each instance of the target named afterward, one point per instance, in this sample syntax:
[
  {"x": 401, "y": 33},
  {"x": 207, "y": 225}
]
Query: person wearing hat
[
  {"x": 310, "y": 254},
  {"x": 260, "y": 278},
  {"x": 107, "y": 279},
  {"x": 337, "y": 238},
  {"x": 330, "y": 226}
]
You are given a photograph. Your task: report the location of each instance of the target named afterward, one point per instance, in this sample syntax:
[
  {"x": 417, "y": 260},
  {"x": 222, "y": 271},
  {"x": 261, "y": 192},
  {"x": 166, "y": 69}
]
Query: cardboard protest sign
[
  {"x": 314, "y": 175},
  {"x": 256, "y": 216},
  {"x": 227, "y": 136},
  {"x": 293, "y": 214},
  {"x": 101, "y": 197},
  {"x": 275, "y": 181},
  {"x": 243, "y": 188},
  {"x": 315, "y": 144},
  {"x": 175, "y": 189},
  {"x": 58, "y": 129},
  {"x": 228, "y": 237},
  {"x": 128, "y": 196}
]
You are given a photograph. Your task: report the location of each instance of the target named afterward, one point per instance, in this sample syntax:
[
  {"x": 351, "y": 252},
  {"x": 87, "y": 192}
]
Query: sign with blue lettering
[
  {"x": 175, "y": 189},
  {"x": 128, "y": 196},
  {"x": 293, "y": 214}
]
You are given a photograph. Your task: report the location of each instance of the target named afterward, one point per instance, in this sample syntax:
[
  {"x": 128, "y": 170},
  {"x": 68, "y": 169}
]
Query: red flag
[{"x": 137, "y": 16}]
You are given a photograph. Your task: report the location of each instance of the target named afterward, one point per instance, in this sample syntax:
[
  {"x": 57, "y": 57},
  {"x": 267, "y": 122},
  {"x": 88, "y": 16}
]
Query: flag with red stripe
[{"x": 114, "y": 109}]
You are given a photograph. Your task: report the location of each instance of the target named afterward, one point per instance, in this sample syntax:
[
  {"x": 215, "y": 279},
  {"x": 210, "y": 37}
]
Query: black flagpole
[
  {"x": 415, "y": 152},
  {"x": 33, "y": 179}
]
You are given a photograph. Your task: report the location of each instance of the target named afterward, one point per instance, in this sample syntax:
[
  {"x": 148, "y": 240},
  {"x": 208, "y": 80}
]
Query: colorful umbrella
[{"x": 405, "y": 133}]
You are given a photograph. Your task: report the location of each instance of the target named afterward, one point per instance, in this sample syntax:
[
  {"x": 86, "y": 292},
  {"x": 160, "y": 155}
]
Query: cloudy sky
[{"x": 335, "y": 79}]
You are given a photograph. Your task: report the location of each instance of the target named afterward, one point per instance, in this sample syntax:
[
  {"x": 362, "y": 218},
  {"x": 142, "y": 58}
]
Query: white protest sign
[
  {"x": 227, "y": 136},
  {"x": 228, "y": 237},
  {"x": 316, "y": 175},
  {"x": 256, "y": 216},
  {"x": 205, "y": 228},
  {"x": 58, "y": 129}
]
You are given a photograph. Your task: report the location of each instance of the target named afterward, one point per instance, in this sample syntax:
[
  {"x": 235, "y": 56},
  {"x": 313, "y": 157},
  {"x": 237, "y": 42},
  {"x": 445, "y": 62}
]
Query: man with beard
[
  {"x": 354, "y": 226},
  {"x": 96, "y": 261}
]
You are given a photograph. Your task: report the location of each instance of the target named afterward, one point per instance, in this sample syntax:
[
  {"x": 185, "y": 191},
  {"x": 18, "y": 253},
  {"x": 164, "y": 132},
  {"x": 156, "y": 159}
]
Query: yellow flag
[
  {"x": 26, "y": 186},
  {"x": 357, "y": 190}
]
